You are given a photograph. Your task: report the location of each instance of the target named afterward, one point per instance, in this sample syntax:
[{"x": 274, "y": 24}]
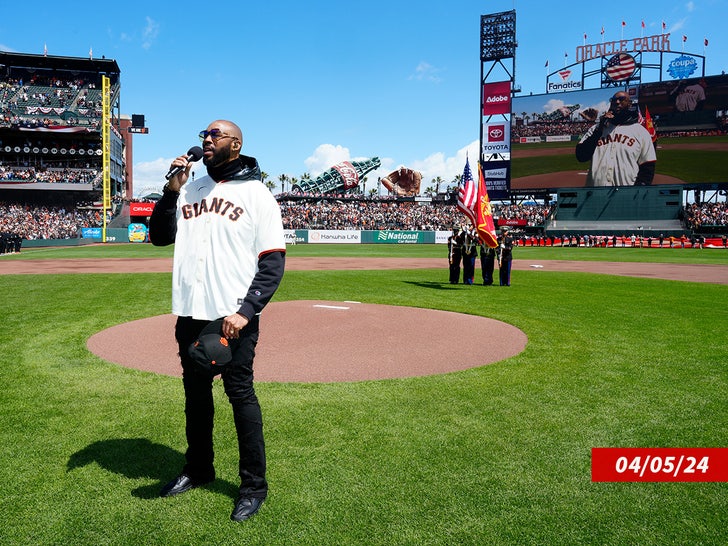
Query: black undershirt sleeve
[
  {"x": 646, "y": 174},
  {"x": 163, "y": 221},
  {"x": 585, "y": 150},
  {"x": 270, "y": 272}
]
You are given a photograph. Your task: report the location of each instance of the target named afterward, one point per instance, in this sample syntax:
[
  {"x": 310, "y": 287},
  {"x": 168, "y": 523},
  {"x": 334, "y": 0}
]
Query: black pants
[
  {"x": 199, "y": 409},
  {"x": 487, "y": 266},
  {"x": 505, "y": 273},
  {"x": 455, "y": 260}
]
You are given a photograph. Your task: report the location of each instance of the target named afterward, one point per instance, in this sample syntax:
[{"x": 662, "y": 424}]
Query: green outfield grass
[
  {"x": 498, "y": 454},
  {"x": 656, "y": 255}
]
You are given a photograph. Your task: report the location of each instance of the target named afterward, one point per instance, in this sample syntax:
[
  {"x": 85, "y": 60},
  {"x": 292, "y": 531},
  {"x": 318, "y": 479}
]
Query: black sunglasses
[{"x": 214, "y": 134}]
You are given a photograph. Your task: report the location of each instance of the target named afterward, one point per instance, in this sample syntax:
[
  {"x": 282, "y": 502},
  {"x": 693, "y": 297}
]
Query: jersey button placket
[{"x": 205, "y": 243}]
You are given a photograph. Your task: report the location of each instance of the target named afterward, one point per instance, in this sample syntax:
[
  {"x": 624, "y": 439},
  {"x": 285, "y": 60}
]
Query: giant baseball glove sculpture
[{"x": 403, "y": 181}]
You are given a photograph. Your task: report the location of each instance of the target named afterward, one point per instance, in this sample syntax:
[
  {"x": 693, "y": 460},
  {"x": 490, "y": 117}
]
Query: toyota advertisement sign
[{"x": 496, "y": 140}]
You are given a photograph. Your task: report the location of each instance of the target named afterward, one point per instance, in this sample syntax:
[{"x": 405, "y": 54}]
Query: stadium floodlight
[{"x": 498, "y": 36}]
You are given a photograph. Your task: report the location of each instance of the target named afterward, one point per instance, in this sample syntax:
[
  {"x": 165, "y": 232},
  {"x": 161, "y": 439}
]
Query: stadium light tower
[{"x": 497, "y": 81}]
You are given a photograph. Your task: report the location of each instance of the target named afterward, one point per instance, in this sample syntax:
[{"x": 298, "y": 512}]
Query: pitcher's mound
[{"x": 324, "y": 341}]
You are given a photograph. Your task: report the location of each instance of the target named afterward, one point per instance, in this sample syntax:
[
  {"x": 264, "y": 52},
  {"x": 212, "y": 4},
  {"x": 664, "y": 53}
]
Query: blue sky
[{"x": 315, "y": 83}]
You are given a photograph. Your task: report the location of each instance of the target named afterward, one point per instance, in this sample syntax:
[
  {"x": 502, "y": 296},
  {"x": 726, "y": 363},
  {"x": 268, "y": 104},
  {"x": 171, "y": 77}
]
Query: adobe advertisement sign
[{"x": 497, "y": 98}]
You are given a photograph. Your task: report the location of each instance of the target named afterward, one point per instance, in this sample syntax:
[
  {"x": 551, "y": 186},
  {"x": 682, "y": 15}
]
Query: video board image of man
[
  {"x": 620, "y": 149},
  {"x": 689, "y": 97}
]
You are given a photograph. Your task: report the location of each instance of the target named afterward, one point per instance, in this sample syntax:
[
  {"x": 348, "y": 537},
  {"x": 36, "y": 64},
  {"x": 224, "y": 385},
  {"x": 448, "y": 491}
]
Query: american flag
[
  {"x": 467, "y": 194},
  {"x": 620, "y": 67}
]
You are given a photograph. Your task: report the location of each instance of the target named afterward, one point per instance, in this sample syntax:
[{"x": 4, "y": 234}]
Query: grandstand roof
[{"x": 52, "y": 62}]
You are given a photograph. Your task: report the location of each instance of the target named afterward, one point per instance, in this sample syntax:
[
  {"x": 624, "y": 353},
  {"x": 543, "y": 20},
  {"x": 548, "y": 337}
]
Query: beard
[
  {"x": 625, "y": 115},
  {"x": 220, "y": 157}
]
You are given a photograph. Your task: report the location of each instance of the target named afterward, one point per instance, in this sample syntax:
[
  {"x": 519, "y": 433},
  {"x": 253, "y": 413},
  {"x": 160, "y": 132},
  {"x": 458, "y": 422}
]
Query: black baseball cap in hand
[{"x": 212, "y": 351}]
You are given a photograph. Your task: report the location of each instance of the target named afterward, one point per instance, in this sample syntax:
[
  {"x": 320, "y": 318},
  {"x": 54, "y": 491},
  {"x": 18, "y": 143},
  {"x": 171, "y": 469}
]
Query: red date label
[{"x": 637, "y": 464}]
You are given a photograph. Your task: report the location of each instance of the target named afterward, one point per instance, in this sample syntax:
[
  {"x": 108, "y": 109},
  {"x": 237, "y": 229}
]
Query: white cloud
[
  {"x": 149, "y": 175},
  {"x": 324, "y": 157},
  {"x": 150, "y": 33},
  {"x": 677, "y": 26},
  {"x": 553, "y": 105},
  {"x": 447, "y": 168},
  {"x": 427, "y": 72},
  {"x": 690, "y": 6}
]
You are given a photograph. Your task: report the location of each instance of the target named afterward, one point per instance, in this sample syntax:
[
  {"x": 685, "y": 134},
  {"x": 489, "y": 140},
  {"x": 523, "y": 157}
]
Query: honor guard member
[
  {"x": 505, "y": 256},
  {"x": 487, "y": 263},
  {"x": 455, "y": 254},
  {"x": 470, "y": 252}
]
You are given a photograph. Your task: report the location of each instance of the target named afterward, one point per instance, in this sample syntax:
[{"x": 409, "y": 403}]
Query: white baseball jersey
[
  {"x": 689, "y": 98},
  {"x": 222, "y": 229},
  {"x": 618, "y": 155}
]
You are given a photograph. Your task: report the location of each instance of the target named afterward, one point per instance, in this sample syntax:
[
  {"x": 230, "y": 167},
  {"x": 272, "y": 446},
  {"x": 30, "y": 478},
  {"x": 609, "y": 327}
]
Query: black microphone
[{"x": 193, "y": 154}]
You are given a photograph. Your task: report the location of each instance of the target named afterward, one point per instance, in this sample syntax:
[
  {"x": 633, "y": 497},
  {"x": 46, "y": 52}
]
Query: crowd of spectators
[
  {"x": 9, "y": 119},
  {"x": 573, "y": 128},
  {"x": 46, "y": 222},
  {"x": 578, "y": 128},
  {"x": 69, "y": 99},
  {"x": 56, "y": 222},
  {"x": 698, "y": 215},
  {"x": 533, "y": 214},
  {"x": 51, "y": 176},
  {"x": 386, "y": 214}
]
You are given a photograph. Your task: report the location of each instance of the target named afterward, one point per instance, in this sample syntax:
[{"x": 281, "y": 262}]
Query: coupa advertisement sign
[{"x": 496, "y": 98}]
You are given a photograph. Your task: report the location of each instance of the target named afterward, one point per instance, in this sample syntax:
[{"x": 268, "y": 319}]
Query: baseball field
[{"x": 625, "y": 348}]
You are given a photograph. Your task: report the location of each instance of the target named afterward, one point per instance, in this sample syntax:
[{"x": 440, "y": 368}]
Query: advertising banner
[
  {"x": 295, "y": 236},
  {"x": 496, "y": 98},
  {"x": 141, "y": 209},
  {"x": 397, "y": 237},
  {"x": 137, "y": 233},
  {"x": 91, "y": 233},
  {"x": 324, "y": 236},
  {"x": 497, "y": 176},
  {"x": 563, "y": 81},
  {"x": 496, "y": 141}
]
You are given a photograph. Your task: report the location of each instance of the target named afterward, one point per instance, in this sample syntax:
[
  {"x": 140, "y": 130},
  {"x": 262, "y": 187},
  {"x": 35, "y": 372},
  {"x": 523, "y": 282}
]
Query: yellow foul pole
[{"x": 106, "y": 148}]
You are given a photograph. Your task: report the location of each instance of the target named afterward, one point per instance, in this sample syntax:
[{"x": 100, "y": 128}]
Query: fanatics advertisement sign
[{"x": 497, "y": 98}]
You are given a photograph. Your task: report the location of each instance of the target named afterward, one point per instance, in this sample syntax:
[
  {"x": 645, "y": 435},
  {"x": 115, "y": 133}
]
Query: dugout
[{"x": 623, "y": 210}]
